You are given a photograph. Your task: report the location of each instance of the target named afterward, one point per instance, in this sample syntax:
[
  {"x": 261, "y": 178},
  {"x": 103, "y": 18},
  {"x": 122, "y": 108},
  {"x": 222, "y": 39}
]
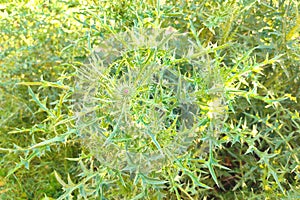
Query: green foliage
[{"x": 218, "y": 81}]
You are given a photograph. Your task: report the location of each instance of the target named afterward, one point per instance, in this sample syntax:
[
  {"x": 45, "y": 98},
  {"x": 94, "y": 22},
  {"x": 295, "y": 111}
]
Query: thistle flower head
[{"x": 124, "y": 91}]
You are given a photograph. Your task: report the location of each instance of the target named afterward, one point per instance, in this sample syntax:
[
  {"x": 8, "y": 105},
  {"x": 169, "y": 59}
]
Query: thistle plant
[
  {"x": 137, "y": 108},
  {"x": 149, "y": 100}
]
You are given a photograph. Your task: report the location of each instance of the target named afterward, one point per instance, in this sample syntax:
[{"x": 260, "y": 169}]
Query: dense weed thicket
[{"x": 150, "y": 99}]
